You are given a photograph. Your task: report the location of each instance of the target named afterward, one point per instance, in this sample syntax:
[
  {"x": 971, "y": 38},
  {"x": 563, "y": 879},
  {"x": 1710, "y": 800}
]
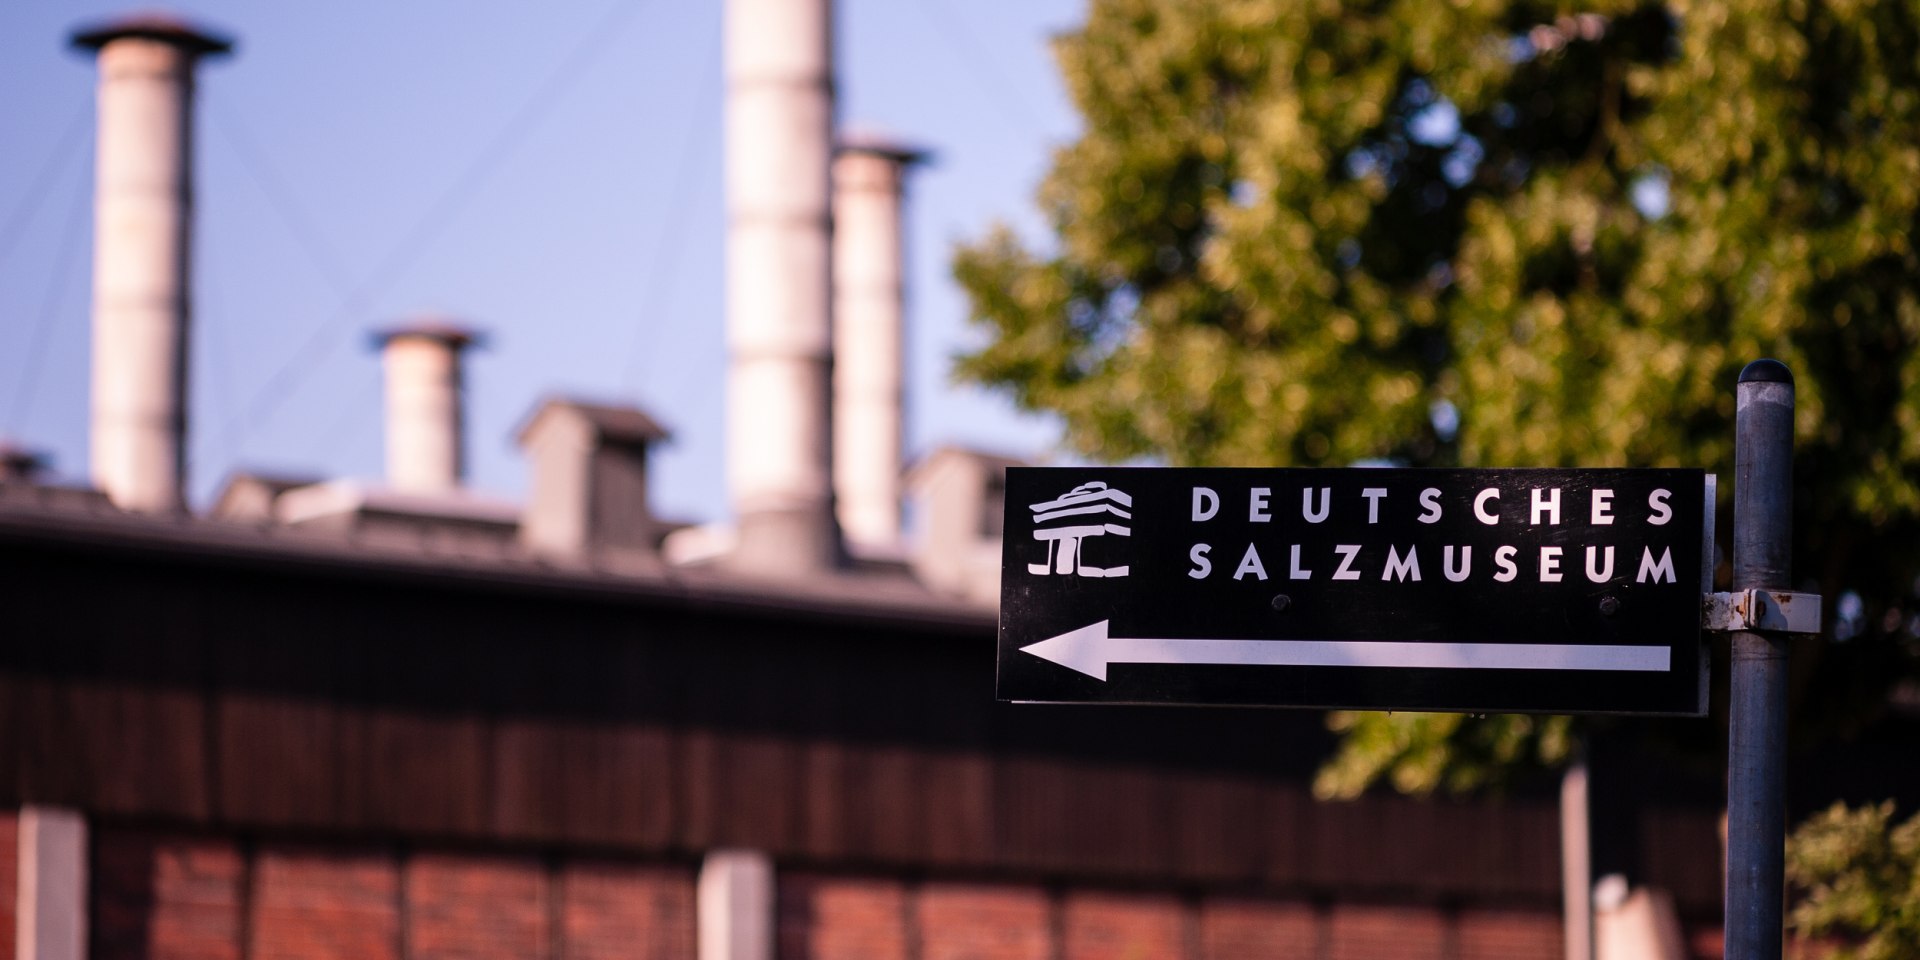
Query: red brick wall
[
  {"x": 622, "y": 912},
  {"x": 1386, "y": 933},
  {"x": 9, "y": 875},
  {"x": 476, "y": 908},
  {"x": 1258, "y": 930},
  {"x": 1106, "y": 926},
  {"x": 1504, "y": 934},
  {"x": 162, "y": 896},
  {"x": 312, "y": 903},
  {"x": 832, "y": 918},
  {"x": 172, "y": 897},
  {"x": 984, "y": 922},
  {"x": 840, "y": 918}
]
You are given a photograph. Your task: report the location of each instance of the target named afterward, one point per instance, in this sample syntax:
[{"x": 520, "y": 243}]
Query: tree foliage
[
  {"x": 1489, "y": 232},
  {"x": 1859, "y": 880}
]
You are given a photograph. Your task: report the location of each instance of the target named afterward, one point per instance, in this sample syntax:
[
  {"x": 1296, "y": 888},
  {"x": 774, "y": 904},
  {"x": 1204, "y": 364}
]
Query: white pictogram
[{"x": 1070, "y": 514}]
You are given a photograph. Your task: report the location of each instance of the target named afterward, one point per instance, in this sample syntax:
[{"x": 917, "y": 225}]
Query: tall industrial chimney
[
  {"x": 143, "y": 219},
  {"x": 779, "y": 250},
  {"x": 425, "y": 421},
  {"x": 869, "y": 306}
]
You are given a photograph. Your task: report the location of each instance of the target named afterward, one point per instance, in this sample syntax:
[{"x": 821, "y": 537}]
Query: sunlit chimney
[
  {"x": 869, "y": 309},
  {"x": 425, "y": 394},
  {"x": 143, "y": 219},
  {"x": 779, "y": 238}
]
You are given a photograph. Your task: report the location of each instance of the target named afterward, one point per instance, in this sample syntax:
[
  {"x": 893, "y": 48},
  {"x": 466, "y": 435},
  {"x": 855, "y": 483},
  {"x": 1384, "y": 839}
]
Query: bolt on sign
[{"x": 1553, "y": 591}]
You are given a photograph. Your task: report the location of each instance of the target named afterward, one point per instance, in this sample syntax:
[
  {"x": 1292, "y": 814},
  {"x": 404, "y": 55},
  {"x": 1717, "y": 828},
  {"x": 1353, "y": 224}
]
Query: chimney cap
[
  {"x": 154, "y": 25},
  {"x": 619, "y": 423},
  {"x": 873, "y": 142},
  {"x": 447, "y": 330}
]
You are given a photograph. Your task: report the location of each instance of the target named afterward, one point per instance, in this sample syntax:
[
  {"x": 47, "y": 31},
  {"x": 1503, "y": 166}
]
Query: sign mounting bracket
[{"x": 1761, "y": 611}]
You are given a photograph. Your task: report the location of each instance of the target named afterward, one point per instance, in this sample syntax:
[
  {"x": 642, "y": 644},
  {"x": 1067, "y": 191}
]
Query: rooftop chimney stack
[
  {"x": 588, "y": 494},
  {"x": 869, "y": 308},
  {"x": 425, "y": 423},
  {"x": 143, "y": 219},
  {"x": 779, "y": 251}
]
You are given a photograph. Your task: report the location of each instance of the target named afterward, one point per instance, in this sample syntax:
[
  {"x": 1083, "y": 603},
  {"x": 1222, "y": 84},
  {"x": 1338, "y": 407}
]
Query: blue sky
[{"x": 550, "y": 171}]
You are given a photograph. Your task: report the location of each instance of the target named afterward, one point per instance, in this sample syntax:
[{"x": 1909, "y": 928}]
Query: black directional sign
[{"x": 1556, "y": 591}]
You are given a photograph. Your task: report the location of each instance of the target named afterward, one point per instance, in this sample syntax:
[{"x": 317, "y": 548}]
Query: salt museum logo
[{"x": 1066, "y": 523}]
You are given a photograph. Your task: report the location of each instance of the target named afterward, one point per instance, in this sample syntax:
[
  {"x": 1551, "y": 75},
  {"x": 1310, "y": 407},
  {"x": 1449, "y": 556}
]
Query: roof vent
[{"x": 589, "y": 490}]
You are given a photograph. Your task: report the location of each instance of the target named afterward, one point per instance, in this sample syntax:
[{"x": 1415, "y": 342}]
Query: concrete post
[
  {"x": 869, "y": 308},
  {"x": 1637, "y": 925},
  {"x": 425, "y": 420},
  {"x": 735, "y": 906},
  {"x": 51, "y": 899},
  {"x": 779, "y": 236},
  {"x": 143, "y": 218},
  {"x": 1576, "y": 861}
]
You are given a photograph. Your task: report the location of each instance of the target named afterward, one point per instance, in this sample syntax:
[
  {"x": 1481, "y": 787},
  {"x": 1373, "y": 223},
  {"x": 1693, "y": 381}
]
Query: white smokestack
[
  {"x": 779, "y": 128},
  {"x": 869, "y": 308},
  {"x": 143, "y": 218},
  {"x": 425, "y": 420}
]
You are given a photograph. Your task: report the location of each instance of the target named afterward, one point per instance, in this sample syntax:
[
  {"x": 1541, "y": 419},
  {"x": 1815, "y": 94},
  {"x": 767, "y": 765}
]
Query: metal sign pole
[{"x": 1762, "y": 534}]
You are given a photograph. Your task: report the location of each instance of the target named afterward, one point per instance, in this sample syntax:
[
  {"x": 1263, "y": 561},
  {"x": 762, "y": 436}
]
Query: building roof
[
  {"x": 348, "y": 496},
  {"x": 27, "y": 519}
]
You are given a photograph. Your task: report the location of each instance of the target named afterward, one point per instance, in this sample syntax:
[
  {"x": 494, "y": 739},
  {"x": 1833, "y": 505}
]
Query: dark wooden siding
[{"x": 277, "y": 699}]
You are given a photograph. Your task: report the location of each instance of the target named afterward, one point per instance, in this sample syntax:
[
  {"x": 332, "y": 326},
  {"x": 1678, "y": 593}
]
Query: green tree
[
  {"x": 1859, "y": 879},
  {"x": 1489, "y": 232}
]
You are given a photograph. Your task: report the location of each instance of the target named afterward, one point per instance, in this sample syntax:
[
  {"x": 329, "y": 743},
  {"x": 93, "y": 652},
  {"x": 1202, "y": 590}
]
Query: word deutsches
[{"x": 1413, "y": 559}]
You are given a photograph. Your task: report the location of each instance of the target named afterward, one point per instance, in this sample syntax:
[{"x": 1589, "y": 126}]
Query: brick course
[
  {"x": 173, "y": 897},
  {"x": 1509, "y": 935},
  {"x": 1359, "y": 932},
  {"x": 1113, "y": 926},
  {"x": 984, "y": 922},
  {"x": 312, "y": 903},
  {"x": 621, "y": 912},
  {"x": 163, "y": 896},
  {"x": 835, "y": 918},
  {"x": 1233, "y": 929},
  {"x": 476, "y": 908}
]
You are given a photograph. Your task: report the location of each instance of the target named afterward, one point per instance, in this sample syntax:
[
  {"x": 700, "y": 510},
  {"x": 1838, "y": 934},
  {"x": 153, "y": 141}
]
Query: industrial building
[{"x": 334, "y": 719}]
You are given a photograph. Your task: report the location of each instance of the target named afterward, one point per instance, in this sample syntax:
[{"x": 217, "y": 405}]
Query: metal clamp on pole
[{"x": 1761, "y": 611}]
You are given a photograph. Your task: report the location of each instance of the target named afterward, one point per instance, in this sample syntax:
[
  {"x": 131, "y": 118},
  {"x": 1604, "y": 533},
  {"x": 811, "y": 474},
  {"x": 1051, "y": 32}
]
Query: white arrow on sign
[{"x": 1090, "y": 650}]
